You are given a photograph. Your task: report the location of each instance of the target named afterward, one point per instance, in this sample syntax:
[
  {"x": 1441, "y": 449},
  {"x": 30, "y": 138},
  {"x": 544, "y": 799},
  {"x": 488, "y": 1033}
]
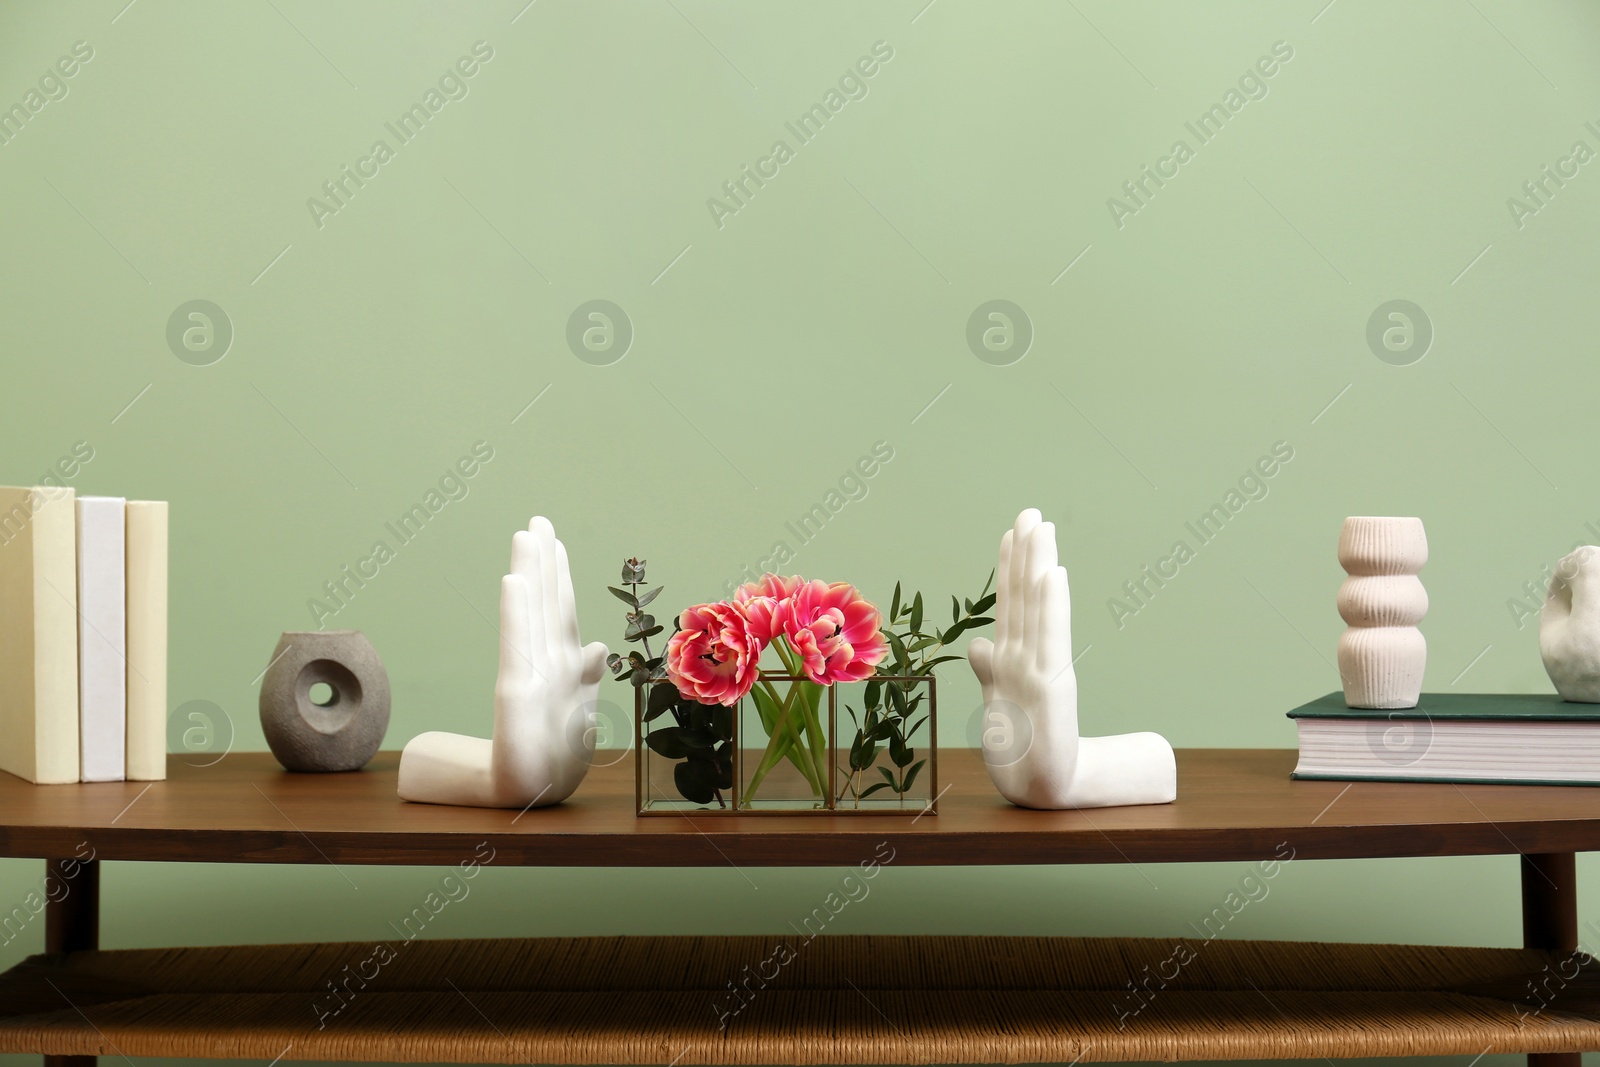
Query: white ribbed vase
[{"x": 1382, "y": 654}]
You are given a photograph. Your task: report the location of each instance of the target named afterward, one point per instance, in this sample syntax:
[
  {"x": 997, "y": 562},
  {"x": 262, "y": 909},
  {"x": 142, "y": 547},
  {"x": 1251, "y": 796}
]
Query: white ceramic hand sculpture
[
  {"x": 1031, "y": 745},
  {"x": 1569, "y": 626},
  {"x": 543, "y": 697}
]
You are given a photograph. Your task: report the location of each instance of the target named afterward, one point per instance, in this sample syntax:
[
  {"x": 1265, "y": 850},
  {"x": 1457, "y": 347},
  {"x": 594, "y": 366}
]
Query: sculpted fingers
[
  {"x": 549, "y": 602},
  {"x": 980, "y": 653},
  {"x": 1054, "y": 651},
  {"x": 1037, "y": 561},
  {"x": 594, "y": 663},
  {"x": 528, "y": 554},
  {"x": 1066, "y": 605},
  {"x": 516, "y": 669},
  {"x": 523, "y": 554},
  {"x": 1002, "y": 592},
  {"x": 566, "y": 599},
  {"x": 1020, "y": 533},
  {"x": 1042, "y": 549}
]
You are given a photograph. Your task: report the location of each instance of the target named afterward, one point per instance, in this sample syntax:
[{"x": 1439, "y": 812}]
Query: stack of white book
[{"x": 83, "y": 636}]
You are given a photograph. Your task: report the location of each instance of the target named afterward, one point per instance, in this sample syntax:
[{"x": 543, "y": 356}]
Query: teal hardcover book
[{"x": 1500, "y": 738}]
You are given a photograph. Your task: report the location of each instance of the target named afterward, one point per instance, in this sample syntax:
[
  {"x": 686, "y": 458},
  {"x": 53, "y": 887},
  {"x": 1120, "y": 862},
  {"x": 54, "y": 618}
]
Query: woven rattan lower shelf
[{"x": 831, "y": 1000}]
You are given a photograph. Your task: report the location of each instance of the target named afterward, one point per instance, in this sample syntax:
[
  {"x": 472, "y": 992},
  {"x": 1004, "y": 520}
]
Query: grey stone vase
[{"x": 346, "y": 731}]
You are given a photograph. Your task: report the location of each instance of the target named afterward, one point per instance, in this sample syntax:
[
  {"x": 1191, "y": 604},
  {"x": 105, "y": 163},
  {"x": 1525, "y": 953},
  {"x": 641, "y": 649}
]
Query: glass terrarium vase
[
  {"x": 785, "y": 745},
  {"x": 886, "y": 760},
  {"x": 790, "y": 746},
  {"x": 686, "y": 752}
]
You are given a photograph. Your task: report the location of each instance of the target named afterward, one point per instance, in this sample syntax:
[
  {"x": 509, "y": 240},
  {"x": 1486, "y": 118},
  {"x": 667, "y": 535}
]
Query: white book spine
[
  {"x": 147, "y": 640},
  {"x": 39, "y": 634},
  {"x": 102, "y": 637}
]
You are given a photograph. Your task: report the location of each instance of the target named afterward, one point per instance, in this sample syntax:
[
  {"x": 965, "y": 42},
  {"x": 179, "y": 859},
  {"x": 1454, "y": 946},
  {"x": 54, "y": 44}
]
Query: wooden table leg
[
  {"x": 72, "y": 922},
  {"x": 1550, "y": 921}
]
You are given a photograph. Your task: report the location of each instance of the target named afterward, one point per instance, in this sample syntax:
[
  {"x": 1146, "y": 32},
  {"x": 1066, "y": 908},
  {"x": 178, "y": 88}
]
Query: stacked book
[
  {"x": 83, "y": 636},
  {"x": 1533, "y": 739}
]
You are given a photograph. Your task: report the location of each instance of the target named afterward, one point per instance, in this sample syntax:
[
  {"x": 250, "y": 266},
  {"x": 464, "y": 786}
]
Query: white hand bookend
[
  {"x": 544, "y": 697},
  {"x": 1031, "y": 745}
]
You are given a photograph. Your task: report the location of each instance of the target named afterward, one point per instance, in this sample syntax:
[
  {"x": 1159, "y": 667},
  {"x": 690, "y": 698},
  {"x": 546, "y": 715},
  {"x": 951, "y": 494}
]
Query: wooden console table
[{"x": 838, "y": 999}]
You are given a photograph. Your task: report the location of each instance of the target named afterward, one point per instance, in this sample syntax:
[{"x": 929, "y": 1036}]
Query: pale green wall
[{"x": 1223, "y": 317}]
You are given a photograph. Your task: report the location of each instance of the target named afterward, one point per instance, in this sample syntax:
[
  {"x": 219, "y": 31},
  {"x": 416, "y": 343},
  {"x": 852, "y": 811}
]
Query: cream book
[
  {"x": 102, "y": 638},
  {"x": 147, "y": 640},
  {"x": 39, "y": 634}
]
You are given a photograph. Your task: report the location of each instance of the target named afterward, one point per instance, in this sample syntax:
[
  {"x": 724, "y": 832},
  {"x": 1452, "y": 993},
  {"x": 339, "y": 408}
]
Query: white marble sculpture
[
  {"x": 1031, "y": 745},
  {"x": 543, "y": 697},
  {"x": 1382, "y": 654},
  {"x": 1569, "y": 626}
]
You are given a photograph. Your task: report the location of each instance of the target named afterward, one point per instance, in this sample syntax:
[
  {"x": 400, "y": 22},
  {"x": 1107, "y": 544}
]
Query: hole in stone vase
[{"x": 329, "y": 695}]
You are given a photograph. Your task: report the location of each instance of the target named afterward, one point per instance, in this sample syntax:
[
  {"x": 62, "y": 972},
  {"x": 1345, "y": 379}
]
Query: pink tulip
[
  {"x": 714, "y": 658},
  {"x": 835, "y": 632},
  {"x": 764, "y": 603},
  {"x": 770, "y": 585}
]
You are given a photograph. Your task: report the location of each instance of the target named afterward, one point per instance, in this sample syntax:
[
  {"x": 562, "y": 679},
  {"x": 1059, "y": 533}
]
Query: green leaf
[
  {"x": 766, "y": 708},
  {"x": 700, "y": 740},
  {"x": 668, "y": 742},
  {"x": 662, "y": 697},
  {"x": 881, "y": 732},
  {"x": 983, "y": 604},
  {"x": 639, "y": 625},
  {"x": 955, "y": 609},
  {"x": 871, "y": 789},
  {"x": 916, "y": 612},
  {"x": 899, "y": 752},
  {"x": 696, "y": 780},
  {"x": 897, "y": 699},
  {"x": 901, "y": 656},
  {"x": 966, "y": 604},
  {"x": 642, "y": 634},
  {"x": 874, "y": 690},
  {"x": 955, "y": 631},
  {"x": 650, "y": 595},
  {"x": 624, "y": 596},
  {"x": 921, "y": 643},
  {"x": 911, "y": 776},
  {"x": 894, "y": 606},
  {"x": 722, "y": 722},
  {"x": 698, "y": 715},
  {"x": 887, "y": 777}
]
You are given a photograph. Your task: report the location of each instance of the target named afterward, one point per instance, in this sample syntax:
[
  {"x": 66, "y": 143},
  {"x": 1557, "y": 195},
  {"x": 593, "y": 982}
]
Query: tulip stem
[
  {"x": 791, "y": 738},
  {"x": 808, "y": 712},
  {"x": 785, "y": 741},
  {"x": 807, "y": 753}
]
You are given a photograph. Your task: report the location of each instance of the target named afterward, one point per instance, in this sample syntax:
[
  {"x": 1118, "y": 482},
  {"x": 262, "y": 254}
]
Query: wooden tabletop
[{"x": 1233, "y": 804}]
